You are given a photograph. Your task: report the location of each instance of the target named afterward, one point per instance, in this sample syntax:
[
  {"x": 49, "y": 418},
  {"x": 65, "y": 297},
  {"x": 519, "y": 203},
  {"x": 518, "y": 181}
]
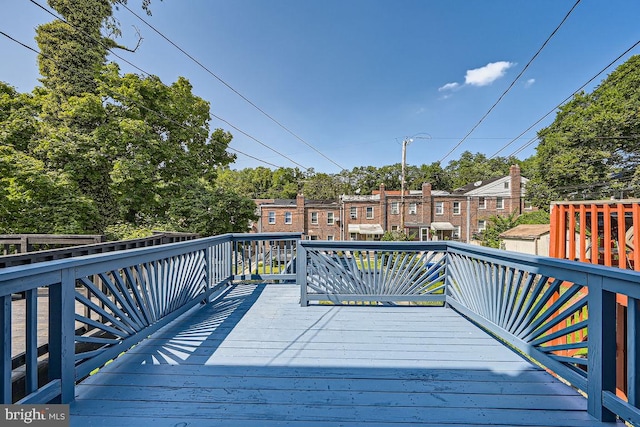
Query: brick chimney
[
  {"x": 383, "y": 207},
  {"x": 426, "y": 203},
  {"x": 300, "y": 221},
  {"x": 516, "y": 189}
]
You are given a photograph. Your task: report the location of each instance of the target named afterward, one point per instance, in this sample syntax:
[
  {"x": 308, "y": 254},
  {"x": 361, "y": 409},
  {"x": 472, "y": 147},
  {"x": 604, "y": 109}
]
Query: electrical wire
[
  {"x": 134, "y": 102},
  {"x": 227, "y": 85},
  {"x": 512, "y": 83},
  {"x": 150, "y": 74},
  {"x": 567, "y": 99}
]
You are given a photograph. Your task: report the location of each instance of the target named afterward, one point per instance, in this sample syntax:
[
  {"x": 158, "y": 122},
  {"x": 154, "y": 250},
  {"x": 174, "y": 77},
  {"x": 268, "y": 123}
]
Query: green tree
[
  {"x": 285, "y": 183},
  {"x": 322, "y": 186},
  {"x": 34, "y": 200},
  {"x": 18, "y": 118},
  {"x": 435, "y": 175},
  {"x": 73, "y": 52},
  {"x": 591, "y": 149},
  {"x": 116, "y": 149},
  {"x": 211, "y": 211},
  {"x": 477, "y": 167},
  {"x": 496, "y": 225},
  {"x": 157, "y": 141}
]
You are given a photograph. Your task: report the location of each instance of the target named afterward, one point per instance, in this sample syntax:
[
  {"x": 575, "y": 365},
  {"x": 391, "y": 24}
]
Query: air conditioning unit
[{"x": 354, "y": 216}]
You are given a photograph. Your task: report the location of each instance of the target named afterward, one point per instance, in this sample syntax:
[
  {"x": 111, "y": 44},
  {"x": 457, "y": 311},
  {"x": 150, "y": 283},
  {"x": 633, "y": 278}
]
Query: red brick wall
[{"x": 425, "y": 212}]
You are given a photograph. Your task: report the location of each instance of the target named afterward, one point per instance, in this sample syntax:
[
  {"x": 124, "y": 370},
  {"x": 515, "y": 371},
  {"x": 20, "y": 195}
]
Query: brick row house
[{"x": 428, "y": 214}]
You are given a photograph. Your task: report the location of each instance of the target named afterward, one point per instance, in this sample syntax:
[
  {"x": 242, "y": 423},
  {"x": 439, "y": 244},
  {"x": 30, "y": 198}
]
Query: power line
[
  {"x": 512, "y": 83},
  {"x": 132, "y": 101},
  {"x": 150, "y": 74},
  {"x": 230, "y": 87},
  {"x": 562, "y": 103}
]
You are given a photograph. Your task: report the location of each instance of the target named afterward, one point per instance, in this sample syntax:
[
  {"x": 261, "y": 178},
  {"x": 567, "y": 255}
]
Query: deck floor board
[{"x": 256, "y": 358}]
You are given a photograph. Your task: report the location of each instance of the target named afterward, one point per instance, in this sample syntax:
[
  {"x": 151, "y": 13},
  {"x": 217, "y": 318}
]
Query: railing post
[
  {"x": 633, "y": 352},
  {"x": 62, "y": 334},
  {"x": 301, "y": 273},
  {"x": 31, "y": 345},
  {"x": 208, "y": 270},
  {"x": 602, "y": 348},
  {"x": 5, "y": 342},
  {"x": 447, "y": 259}
]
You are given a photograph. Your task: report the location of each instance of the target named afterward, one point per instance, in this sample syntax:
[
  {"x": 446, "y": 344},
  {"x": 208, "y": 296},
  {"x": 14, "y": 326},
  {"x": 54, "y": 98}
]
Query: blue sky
[{"x": 353, "y": 78}]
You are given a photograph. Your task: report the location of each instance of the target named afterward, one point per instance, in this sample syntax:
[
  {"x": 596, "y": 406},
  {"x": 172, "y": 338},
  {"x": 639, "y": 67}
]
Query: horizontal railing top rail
[{"x": 85, "y": 248}]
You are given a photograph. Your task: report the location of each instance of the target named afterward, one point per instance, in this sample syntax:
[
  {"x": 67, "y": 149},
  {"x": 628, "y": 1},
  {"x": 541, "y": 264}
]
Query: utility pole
[{"x": 406, "y": 141}]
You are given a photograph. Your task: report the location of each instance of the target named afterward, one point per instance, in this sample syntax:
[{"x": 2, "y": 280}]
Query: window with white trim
[
  {"x": 288, "y": 218},
  {"x": 314, "y": 217},
  {"x": 456, "y": 232},
  {"x": 272, "y": 217},
  {"x": 499, "y": 203},
  {"x": 482, "y": 225},
  {"x": 482, "y": 203},
  {"x": 329, "y": 237},
  {"x": 369, "y": 212},
  {"x": 439, "y": 208},
  {"x": 456, "y": 208},
  {"x": 353, "y": 212},
  {"x": 413, "y": 208},
  {"x": 330, "y": 218},
  {"x": 395, "y": 208}
]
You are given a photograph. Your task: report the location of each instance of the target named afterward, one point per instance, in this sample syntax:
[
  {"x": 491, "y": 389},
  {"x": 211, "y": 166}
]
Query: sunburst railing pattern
[
  {"x": 561, "y": 314},
  {"x": 120, "y": 304},
  {"x": 99, "y": 306},
  {"x": 546, "y": 315},
  {"x": 373, "y": 272}
]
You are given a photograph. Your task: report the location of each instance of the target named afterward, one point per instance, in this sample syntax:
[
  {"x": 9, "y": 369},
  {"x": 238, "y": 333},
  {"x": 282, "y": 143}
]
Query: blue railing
[
  {"x": 383, "y": 272},
  {"x": 561, "y": 314},
  {"x": 98, "y": 306}
]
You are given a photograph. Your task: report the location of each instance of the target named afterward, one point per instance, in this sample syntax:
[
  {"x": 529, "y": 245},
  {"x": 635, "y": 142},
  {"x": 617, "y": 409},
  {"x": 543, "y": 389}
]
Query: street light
[{"x": 406, "y": 141}]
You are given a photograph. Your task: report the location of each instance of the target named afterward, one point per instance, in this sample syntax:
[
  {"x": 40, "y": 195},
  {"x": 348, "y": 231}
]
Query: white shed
[{"x": 530, "y": 239}]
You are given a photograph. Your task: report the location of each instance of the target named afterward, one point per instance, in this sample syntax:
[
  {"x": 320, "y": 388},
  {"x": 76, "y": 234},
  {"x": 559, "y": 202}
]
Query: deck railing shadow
[{"x": 199, "y": 336}]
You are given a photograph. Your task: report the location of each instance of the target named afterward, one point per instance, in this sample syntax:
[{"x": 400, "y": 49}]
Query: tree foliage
[
  {"x": 263, "y": 183},
  {"x": 477, "y": 167},
  {"x": 496, "y": 225},
  {"x": 592, "y": 149},
  {"x": 93, "y": 150}
]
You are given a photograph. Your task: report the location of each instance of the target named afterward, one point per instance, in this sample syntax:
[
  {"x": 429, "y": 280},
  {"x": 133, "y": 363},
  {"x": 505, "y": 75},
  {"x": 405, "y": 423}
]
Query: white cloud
[
  {"x": 529, "y": 82},
  {"x": 449, "y": 86},
  {"x": 486, "y": 75}
]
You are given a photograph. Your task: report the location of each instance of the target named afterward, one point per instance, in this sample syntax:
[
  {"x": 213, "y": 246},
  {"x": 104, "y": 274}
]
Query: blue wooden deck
[{"x": 256, "y": 358}]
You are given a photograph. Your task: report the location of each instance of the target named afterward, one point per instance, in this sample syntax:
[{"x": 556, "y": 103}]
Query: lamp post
[{"x": 406, "y": 141}]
